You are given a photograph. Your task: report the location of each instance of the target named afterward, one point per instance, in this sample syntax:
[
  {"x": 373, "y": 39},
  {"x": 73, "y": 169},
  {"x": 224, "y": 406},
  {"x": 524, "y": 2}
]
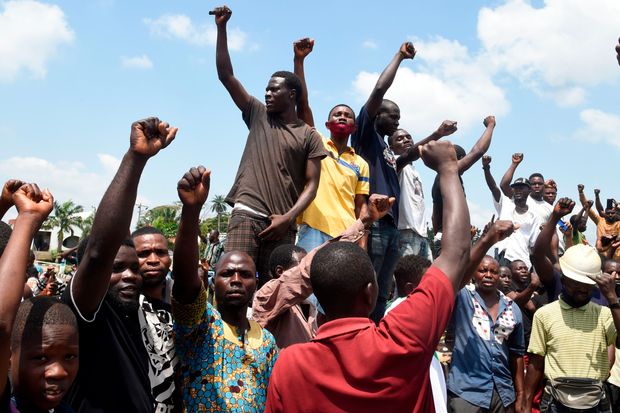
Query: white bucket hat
[{"x": 581, "y": 263}]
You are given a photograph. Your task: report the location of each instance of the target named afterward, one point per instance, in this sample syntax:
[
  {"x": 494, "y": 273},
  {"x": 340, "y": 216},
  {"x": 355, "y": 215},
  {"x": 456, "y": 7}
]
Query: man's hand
[
  {"x": 446, "y": 128},
  {"x": 149, "y": 136},
  {"x": 378, "y": 207},
  {"x": 303, "y": 47},
  {"x": 517, "y": 158},
  {"x": 30, "y": 200},
  {"x": 589, "y": 204},
  {"x": 278, "y": 228},
  {"x": 407, "y": 51},
  {"x": 486, "y": 161},
  {"x": 500, "y": 230},
  {"x": 563, "y": 207},
  {"x": 607, "y": 284},
  {"x": 489, "y": 122},
  {"x": 193, "y": 188},
  {"x": 618, "y": 51},
  {"x": 8, "y": 190},
  {"x": 568, "y": 231},
  {"x": 439, "y": 155},
  {"x": 580, "y": 188},
  {"x": 222, "y": 15},
  {"x": 597, "y": 191},
  {"x": 535, "y": 280}
]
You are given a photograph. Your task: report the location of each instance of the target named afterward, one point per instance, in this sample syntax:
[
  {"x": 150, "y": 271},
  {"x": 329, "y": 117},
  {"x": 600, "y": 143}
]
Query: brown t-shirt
[{"x": 272, "y": 171}]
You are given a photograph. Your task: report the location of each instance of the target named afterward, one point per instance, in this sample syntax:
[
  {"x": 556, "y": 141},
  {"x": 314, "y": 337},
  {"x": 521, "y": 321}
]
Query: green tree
[
  {"x": 165, "y": 218},
  {"x": 219, "y": 206},
  {"x": 87, "y": 223},
  {"x": 65, "y": 218}
]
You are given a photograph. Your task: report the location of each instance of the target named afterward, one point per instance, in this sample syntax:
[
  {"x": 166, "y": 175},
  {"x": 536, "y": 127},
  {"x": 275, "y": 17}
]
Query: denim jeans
[
  {"x": 309, "y": 238},
  {"x": 383, "y": 252},
  {"x": 412, "y": 243}
]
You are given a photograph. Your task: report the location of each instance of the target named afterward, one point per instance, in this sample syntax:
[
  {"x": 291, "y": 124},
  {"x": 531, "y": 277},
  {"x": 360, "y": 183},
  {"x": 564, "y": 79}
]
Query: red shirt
[{"x": 354, "y": 366}]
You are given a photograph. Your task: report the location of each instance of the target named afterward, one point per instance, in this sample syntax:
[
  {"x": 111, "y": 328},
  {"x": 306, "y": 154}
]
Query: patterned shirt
[
  {"x": 221, "y": 370},
  {"x": 482, "y": 348}
]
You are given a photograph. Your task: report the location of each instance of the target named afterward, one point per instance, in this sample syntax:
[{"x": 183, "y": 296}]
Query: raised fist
[
  {"x": 517, "y": 158},
  {"x": 407, "y": 51}
]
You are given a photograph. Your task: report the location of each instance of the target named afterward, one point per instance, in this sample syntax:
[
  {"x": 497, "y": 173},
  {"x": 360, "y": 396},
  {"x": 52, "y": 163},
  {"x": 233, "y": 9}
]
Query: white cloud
[
  {"x": 137, "y": 62},
  {"x": 65, "y": 179},
  {"x": 556, "y": 50},
  {"x": 370, "y": 44},
  {"x": 446, "y": 83},
  {"x": 31, "y": 33},
  {"x": 599, "y": 126},
  {"x": 478, "y": 215},
  {"x": 180, "y": 26}
]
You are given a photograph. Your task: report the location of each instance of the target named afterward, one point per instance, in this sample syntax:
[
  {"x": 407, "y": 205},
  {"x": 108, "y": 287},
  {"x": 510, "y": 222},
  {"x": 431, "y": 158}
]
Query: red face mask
[{"x": 340, "y": 128}]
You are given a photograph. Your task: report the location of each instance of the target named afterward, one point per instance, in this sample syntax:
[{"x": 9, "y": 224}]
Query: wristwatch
[{"x": 615, "y": 305}]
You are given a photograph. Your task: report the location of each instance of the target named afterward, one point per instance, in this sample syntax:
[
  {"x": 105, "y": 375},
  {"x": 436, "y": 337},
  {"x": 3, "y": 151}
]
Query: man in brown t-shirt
[{"x": 279, "y": 172}]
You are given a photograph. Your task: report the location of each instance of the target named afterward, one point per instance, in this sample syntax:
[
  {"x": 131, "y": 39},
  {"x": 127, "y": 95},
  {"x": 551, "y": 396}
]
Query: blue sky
[{"x": 74, "y": 75}]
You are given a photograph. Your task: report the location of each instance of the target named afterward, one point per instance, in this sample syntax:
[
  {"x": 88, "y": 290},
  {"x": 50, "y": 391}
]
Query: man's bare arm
[
  {"x": 193, "y": 190},
  {"x": 533, "y": 377},
  {"x": 455, "y": 244},
  {"x": 542, "y": 247},
  {"x": 33, "y": 207},
  {"x": 480, "y": 147},
  {"x": 222, "y": 60},
  {"x": 486, "y": 167},
  {"x": 447, "y": 127},
  {"x": 111, "y": 224},
  {"x": 303, "y": 48},
  {"x": 407, "y": 51},
  {"x": 504, "y": 184}
]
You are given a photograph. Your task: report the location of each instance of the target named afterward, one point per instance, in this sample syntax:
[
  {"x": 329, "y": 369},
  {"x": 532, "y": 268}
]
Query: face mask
[
  {"x": 340, "y": 128},
  {"x": 572, "y": 302}
]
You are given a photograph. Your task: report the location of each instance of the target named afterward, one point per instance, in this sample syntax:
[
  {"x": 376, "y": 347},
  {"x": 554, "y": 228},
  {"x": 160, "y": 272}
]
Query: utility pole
[{"x": 140, "y": 207}]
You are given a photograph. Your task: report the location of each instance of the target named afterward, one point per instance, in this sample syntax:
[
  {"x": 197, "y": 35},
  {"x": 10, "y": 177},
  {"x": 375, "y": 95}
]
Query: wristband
[{"x": 613, "y": 306}]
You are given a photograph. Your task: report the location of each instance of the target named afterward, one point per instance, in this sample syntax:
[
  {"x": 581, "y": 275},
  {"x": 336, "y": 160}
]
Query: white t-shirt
[
  {"x": 540, "y": 208},
  {"x": 411, "y": 204},
  {"x": 520, "y": 244},
  {"x": 437, "y": 378}
]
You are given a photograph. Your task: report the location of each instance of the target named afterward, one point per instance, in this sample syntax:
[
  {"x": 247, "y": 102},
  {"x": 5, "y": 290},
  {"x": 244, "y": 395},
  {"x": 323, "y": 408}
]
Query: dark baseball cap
[{"x": 520, "y": 181}]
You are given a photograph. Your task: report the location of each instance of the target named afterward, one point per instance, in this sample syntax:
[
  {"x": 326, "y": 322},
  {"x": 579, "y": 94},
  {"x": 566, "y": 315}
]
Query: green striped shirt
[{"x": 573, "y": 340}]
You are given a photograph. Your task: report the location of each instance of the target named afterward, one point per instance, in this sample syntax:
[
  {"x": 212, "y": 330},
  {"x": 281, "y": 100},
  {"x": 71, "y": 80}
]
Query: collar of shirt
[
  {"x": 332, "y": 148},
  {"x": 504, "y": 301},
  {"x": 565, "y": 306},
  {"x": 342, "y": 326}
]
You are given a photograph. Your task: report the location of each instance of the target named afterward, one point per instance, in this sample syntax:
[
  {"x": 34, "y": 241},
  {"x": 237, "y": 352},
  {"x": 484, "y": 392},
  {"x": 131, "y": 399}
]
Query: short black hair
[
  {"x": 410, "y": 269},
  {"x": 292, "y": 82},
  {"x": 460, "y": 152},
  {"x": 282, "y": 256},
  {"x": 383, "y": 107},
  {"x": 329, "y": 114},
  {"x": 391, "y": 137},
  {"x": 128, "y": 242},
  {"x": 35, "y": 313},
  {"x": 5, "y": 234},
  {"x": 537, "y": 175},
  {"x": 339, "y": 271},
  {"x": 147, "y": 230}
]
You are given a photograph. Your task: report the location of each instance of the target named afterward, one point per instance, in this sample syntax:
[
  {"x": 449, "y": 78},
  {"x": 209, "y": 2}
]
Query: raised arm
[
  {"x": 584, "y": 201},
  {"x": 222, "y": 60},
  {"x": 301, "y": 49},
  {"x": 281, "y": 223},
  {"x": 455, "y": 243},
  {"x": 6, "y": 198},
  {"x": 193, "y": 190},
  {"x": 33, "y": 207},
  {"x": 504, "y": 184},
  {"x": 480, "y": 147},
  {"x": 111, "y": 224},
  {"x": 542, "y": 247},
  {"x": 446, "y": 128},
  {"x": 407, "y": 51},
  {"x": 493, "y": 233},
  {"x": 597, "y": 202},
  {"x": 607, "y": 284},
  {"x": 486, "y": 167}
]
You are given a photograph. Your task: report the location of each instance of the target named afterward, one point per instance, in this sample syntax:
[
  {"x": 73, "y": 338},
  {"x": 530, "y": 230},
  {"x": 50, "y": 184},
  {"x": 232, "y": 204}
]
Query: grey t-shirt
[{"x": 272, "y": 171}]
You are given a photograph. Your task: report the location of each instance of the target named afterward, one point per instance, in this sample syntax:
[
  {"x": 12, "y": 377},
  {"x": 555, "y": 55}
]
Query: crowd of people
[{"x": 327, "y": 294}]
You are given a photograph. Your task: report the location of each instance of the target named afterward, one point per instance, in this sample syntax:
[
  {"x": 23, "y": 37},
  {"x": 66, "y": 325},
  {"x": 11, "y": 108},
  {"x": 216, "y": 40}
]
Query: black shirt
[{"x": 113, "y": 374}]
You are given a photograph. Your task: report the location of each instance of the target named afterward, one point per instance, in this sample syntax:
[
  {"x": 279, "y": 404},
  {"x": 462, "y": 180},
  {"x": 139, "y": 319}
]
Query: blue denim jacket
[{"x": 482, "y": 349}]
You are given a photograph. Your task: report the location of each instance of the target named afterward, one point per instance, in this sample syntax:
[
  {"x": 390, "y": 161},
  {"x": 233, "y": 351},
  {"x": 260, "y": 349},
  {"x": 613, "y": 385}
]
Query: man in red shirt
[{"x": 353, "y": 365}]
